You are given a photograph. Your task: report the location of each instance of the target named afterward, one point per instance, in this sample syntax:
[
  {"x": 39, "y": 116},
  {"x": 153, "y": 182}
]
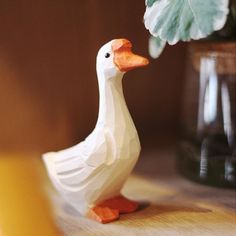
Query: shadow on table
[{"x": 148, "y": 214}]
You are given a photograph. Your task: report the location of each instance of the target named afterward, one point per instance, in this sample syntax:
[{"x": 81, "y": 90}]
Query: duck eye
[{"x": 107, "y": 55}]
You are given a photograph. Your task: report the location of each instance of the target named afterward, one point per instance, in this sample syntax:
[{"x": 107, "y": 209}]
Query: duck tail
[{"x": 48, "y": 159}]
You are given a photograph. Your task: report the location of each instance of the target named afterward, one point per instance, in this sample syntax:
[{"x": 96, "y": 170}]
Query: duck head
[{"x": 115, "y": 58}]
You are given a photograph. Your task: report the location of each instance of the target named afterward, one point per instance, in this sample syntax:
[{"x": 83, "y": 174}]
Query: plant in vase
[{"x": 207, "y": 151}]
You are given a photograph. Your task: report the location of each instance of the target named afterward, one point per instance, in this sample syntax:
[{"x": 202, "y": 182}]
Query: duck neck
[{"x": 112, "y": 105}]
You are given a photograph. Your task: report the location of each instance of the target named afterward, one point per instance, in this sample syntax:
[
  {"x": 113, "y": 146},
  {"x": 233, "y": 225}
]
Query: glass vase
[{"x": 207, "y": 150}]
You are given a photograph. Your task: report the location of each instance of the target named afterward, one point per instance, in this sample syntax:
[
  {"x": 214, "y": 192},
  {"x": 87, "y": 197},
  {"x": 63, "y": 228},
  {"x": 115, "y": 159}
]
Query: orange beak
[{"x": 124, "y": 59}]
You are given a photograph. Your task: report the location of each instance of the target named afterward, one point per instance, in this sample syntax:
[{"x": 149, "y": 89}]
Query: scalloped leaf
[
  {"x": 149, "y": 3},
  {"x": 175, "y": 20},
  {"x": 156, "y": 46}
]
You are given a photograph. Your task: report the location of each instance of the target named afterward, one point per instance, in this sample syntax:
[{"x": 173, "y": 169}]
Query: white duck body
[{"x": 96, "y": 169}]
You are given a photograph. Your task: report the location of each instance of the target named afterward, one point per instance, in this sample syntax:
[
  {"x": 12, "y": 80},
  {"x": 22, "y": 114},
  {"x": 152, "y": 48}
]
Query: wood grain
[
  {"x": 170, "y": 205},
  {"x": 161, "y": 214}
]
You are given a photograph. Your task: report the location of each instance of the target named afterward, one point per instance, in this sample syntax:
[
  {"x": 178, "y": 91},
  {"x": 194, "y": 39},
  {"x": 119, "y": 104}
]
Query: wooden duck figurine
[{"x": 90, "y": 175}]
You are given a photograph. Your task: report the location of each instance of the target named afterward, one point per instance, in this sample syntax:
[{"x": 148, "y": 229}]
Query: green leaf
[
  {"x": 156, "y": 46},
  {"x": 149, "y": 3},
  {"x": 175, "y": 20}
]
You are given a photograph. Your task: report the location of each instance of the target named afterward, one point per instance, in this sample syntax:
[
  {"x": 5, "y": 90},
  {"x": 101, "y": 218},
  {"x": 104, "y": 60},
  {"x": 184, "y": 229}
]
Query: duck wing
[{"x": 72, "y": 169}]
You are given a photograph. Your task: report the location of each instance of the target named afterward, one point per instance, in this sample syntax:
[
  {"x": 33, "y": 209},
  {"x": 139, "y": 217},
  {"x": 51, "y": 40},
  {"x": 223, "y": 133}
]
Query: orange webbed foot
[
  {"x": 121, "y": 203},
  {"x": 110, "y": 209},
  {"x": 103, "y": 214}
]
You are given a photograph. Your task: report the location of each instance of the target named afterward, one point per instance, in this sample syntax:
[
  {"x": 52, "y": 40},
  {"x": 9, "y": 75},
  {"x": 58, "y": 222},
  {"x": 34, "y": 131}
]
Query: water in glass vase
[{"x": 207, "y": 150}]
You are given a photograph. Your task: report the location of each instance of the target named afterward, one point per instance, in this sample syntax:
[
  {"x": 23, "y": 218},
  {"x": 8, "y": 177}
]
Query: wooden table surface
[{"x": 171, "y": 205}]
